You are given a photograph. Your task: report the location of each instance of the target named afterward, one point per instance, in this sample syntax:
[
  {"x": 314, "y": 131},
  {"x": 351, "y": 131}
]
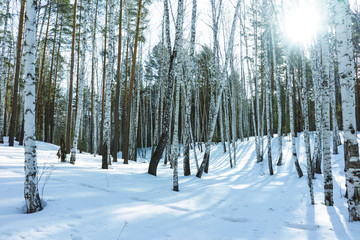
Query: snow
[{"x": 83, "y": 201}]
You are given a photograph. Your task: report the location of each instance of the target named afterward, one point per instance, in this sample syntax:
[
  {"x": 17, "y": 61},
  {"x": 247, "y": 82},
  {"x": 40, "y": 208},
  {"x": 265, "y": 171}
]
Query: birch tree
[
  {"x": 31, "y": 193},
  {"x": 155, "y": 158},
  {"x": 306, "y": 127},
  {"x": 346, "y": 72},
  {"x": 328, "y": 182},
  {"x": 81, "y": 87},
  {"x": 291, "y": 111},
  {"x": 215, "y": 105}
]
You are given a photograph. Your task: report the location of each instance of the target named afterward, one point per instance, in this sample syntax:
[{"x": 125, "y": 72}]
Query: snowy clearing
[{"x": 124, "y": 202}]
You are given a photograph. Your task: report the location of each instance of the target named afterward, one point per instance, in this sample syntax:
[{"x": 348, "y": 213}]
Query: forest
[{"x": 186, "y": 92}]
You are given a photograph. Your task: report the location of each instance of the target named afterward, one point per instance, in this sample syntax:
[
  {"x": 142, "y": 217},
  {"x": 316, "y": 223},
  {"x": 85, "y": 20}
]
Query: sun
[{"x": 302, "y": 23}]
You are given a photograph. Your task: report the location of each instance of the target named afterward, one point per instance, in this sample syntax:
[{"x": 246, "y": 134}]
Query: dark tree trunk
[
  {"x": 69, "y": 110},
  {"x": 17, "y": 75}
]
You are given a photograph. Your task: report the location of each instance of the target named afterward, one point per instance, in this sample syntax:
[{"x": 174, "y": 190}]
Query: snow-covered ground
[{"x": 124, "y": 202}]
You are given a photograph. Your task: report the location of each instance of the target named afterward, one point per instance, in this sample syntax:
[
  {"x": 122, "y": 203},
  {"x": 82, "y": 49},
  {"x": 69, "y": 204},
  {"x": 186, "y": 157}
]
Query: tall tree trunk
[
  {"x": 326, "y": 59},
  {"x": 104, "y": 158},
  {"x": 48, "y": 138},
  {"x": 39, "y": 98},
  {"x": 292, "y": 127},
  {"x": 117, "y": 95},
  {"x": 81, "y": 88},
  {"x": 93, "y": 127},
  {"x": 155, "y": 158},
  {"x": 53, "y": 90},
  {"x": 69, "y": 110},
  {"x": 3, "y": 87},
  {"x": 187, "y": 89},
  {"x": 125, "y": 149},
  {"x": 31, "y": 193},
  {"x": 347, "y": 83},
  {"x": 278, "y": 91},
  {"x": 215, "y": 106},
  {"x": 267, "y": 85},
  {"x": 318, "y": 110},
  {"x": 306, "y": 128},
  {"x": 17, "y": 76}
]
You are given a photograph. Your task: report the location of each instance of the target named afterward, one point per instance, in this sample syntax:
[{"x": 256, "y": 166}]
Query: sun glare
[{"x": 302, "y": 23}]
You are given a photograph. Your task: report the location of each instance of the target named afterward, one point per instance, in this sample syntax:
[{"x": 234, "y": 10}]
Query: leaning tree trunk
[
  {"x": 31, "y": 193},
  {"x": 346, "y": 73},
  {"x": 215, "y": 106},
  {"x": 155, "y": 158}
]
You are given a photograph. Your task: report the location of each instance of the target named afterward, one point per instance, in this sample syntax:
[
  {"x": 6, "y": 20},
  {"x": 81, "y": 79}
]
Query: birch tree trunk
[
  {"x": 347, "y": 83},
  {"x": 190, "y": 83},
  {"x": 215, "y": 106},
  {"x": 31, "y": 193},
  {"x": 267, "y": 84},
  {"x": 117, "y": 94},
  {"x": 93, "y": 133},
  {"x": 291, "y": 110},
  {"x": 306, "y": 128},
  {"x": 335, "y": 129},
  {"x": 109, "y": 77},
  {"x": 175, "y": 141},
  {"x": 81, "y": 87},
  {"x": 155, "y": 158},
  {"x": 278, "y": 95},
  {"x": 326, "y": 59},
  {"x": 317, "y": 157}
]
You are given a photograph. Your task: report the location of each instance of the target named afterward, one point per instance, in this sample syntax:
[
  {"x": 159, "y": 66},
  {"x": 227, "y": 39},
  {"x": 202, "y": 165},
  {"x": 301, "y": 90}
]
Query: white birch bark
[
  {"x": 214, "y": 106},
  {"x": 317, "y": 157},
  {"x": 278, "y": 95},
  {"x": 227, "y": 119},
  {"x": 256, "y": 87},
  {"x": 232, "y": 95},
  {"x": 178, "y": 42},
  {"x": 109, "y": 77},
  {"x": 81, "y": 87},
  {"x": 326, "y": 58},
  {"x": 267, "y": 86},
  {"x": 187, "y": 89},
  {"x": 306, "y": 128},
  {"x": 31, "y": 193},
  {"x": 346, "y": 72},
  {"x": 291, "y": 113},
  {"x": 336, "y": 138}
]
